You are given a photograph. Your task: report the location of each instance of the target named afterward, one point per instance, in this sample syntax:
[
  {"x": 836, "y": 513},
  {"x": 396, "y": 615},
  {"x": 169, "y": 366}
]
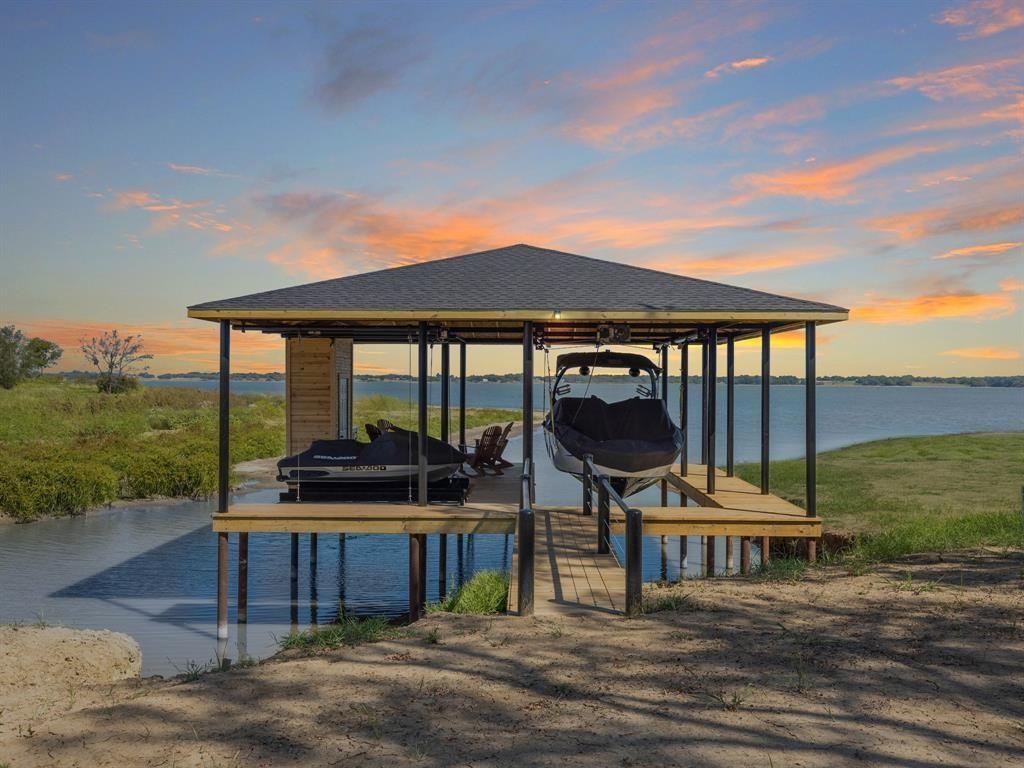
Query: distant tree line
[{"x": 868, "y": 380}]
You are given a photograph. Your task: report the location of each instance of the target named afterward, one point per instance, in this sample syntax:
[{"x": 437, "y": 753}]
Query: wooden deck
[
  {"x": 731, "y": 493},
  {"x": 569, "y": 576},
  {"x": 492, "y": 508}
]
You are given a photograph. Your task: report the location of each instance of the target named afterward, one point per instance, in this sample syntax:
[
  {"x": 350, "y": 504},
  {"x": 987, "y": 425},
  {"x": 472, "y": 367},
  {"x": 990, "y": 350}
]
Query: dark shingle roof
[{"x": 518, "y": 277}]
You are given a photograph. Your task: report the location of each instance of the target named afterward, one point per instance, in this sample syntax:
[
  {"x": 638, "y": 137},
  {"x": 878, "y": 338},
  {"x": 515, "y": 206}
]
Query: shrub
[
  {"x": 350, "y": 631},
  {"x": 60, "y": 485},
  {"x": 116, "y": 385},
  {"x": 485, "y": 593}
]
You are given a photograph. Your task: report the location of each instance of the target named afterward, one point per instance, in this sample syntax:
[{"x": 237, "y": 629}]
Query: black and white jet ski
[
  {"x": 632, "y": 441},
  {"x": 386, "y": 467}
]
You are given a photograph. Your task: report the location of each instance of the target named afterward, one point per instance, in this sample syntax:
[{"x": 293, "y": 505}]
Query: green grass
[
  {"x": 914, "y": 494},
  {"x": 350, "y": 631},
  {"x": 65, "y": 447},
  {"x": 485, "y": 593}
]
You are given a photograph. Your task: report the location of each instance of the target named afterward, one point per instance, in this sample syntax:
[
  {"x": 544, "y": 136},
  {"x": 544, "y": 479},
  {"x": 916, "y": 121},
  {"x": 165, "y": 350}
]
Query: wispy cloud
[
  {"x": 62, "y": 177},
  {"x": 934, "y": 306},
  {"x": 363, "y": 61},
  {"x": 942, "y": 220},
  {"x": 747, "y": 261},
  {"x": 738, "y": 66},
  {"x": 1010, "y": 112},
  {"x": 195, "y": 170},
  {"x": 983, "y": 80},
  {"x": 974, "y": 251},
  {"x": 194, "y": 214},
  {"x": 983, "y": 18},
  {"x": 826, "y": 181},
  {"x": 984, "y": 353}
]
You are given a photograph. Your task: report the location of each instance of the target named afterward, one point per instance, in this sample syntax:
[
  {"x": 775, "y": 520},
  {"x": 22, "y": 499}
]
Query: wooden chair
[
  {"x": 372, "y": 432},
  {"x": 502, "y": 444},
  {"x": 488, "y": 451}
]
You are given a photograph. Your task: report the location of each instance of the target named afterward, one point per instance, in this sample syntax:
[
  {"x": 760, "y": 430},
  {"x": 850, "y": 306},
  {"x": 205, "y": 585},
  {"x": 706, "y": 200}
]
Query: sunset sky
[{"x": 863, "y": 154}]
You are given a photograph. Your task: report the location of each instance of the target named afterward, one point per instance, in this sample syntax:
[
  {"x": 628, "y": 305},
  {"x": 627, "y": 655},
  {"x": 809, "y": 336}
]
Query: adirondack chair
[
  {"x": 502, "y": 444},
  {"x": 372, "y": 432},
  {"x": 489, "y": 449}
]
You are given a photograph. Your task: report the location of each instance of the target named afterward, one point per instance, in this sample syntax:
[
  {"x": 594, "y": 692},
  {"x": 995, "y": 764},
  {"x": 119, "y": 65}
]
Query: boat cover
[
  {"x": 606, "y": 359},
  {"x": 630, "y": 435},
  {"x": 391, "y": 449}
]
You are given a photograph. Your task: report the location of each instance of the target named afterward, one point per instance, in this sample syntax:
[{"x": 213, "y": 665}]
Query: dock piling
[{"x": 634, "y": 562}]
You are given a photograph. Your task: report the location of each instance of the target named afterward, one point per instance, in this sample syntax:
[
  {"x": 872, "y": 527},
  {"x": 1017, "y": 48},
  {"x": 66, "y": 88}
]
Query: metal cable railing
[{"x": 632, "y": 555}]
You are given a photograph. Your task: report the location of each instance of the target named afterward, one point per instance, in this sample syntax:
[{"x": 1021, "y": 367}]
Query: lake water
[{"x": 149, "y": 570}]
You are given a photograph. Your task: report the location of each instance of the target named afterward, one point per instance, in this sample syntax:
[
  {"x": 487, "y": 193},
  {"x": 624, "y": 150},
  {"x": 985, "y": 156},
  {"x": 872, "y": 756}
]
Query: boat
[
  {"x": 634, "y": 442},
  {"x": 385, "y": 469}
]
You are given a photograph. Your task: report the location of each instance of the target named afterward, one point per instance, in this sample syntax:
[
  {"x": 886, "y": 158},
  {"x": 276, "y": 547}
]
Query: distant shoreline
[{"x": 867, "y": 380}]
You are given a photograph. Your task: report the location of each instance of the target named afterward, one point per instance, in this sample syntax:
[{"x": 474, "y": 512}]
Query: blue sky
[{"x": 866, "y": 154}]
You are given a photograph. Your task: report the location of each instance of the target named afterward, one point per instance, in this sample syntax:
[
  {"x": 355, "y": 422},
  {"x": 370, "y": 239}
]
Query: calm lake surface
[{"x": 149, "y": 570}]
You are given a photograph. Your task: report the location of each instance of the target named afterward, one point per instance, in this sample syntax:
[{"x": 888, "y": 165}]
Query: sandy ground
[
  {"x": 47, "y": 671},
  {"x": 918, "y": 664}
]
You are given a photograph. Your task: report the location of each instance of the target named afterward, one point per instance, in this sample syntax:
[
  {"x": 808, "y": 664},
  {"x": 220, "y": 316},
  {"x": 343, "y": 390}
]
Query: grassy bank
[
  {"x": 65, "y": 447},
  {"x": 915, "y": 494}
]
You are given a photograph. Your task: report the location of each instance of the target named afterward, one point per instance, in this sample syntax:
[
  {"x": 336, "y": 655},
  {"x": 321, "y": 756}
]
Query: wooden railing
[{"x": 594, "y": 480}]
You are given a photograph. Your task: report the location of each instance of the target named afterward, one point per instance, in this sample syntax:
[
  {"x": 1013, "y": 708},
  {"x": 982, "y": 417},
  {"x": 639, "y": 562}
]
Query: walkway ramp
[{"x": 569, "y": 576}]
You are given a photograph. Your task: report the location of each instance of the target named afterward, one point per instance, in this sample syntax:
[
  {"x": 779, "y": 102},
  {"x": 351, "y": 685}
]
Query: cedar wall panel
[{"x": 310, "y": 392}]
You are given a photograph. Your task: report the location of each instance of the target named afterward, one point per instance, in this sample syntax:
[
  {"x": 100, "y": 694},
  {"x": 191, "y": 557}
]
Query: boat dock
[{"x": 537, "y": 300}]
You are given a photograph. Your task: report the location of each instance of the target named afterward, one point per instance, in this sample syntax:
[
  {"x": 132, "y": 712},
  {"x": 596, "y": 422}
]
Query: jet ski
[
  {"x": 385, "y": 469},
  {"x": 634, "y": 442}
]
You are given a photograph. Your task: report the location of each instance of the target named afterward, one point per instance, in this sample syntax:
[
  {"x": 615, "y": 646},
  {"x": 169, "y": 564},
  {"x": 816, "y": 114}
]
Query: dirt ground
[
  {"x": 46, "y": 671},
  {"x": 915, "y": 664}
]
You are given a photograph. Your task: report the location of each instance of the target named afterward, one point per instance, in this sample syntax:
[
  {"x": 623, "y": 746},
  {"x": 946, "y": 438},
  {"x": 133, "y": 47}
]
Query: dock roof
[{"x": 510, "y": 285}]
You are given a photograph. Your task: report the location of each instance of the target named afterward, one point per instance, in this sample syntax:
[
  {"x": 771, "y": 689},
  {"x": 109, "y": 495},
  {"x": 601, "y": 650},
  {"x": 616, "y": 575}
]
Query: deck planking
[{"x": 569, "y": 576}]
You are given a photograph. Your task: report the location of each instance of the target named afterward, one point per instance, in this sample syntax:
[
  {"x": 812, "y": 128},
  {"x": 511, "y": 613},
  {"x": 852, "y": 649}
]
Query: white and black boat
[
  {"x": 634, "y": 442},
  {"x": 384, "y": 469}
]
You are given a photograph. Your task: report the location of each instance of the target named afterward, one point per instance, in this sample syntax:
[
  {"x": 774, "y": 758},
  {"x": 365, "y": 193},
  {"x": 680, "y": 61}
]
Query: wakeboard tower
[
  {"x": 385, "y": 469},
  {"x": 634, "y": 442}
]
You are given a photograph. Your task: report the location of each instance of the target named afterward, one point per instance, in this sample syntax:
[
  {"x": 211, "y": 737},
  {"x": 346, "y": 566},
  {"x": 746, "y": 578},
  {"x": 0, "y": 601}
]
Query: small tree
[
  {"x": 115, "y": 357},
  {"x": 22, "y": 358}
]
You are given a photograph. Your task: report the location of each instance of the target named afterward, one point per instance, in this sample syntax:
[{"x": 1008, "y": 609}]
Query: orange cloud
[
  {"x": 742, "y": 263},
  {"x": 927, "y": 222},
  {"x": 1011, "y": 284},
  {"x": 984, "y": 18},
  {"x": 978, "y": 250},
  {"x": 985, "y": 353},
  {"x": 738, "y": 66},
  {"x": 793, "y": 340},
  {"x": 133, "y": 198},
  {"x": 829, "y": 181},
  {"x": 986, "y": 80},
  {"x": 607, "y": 117},
  {"x": 195, "y": 214},
  {"x": 62, "y": 177},
  {"x": 175, "y": 346},
  {"x": 936, "y": 306}
]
